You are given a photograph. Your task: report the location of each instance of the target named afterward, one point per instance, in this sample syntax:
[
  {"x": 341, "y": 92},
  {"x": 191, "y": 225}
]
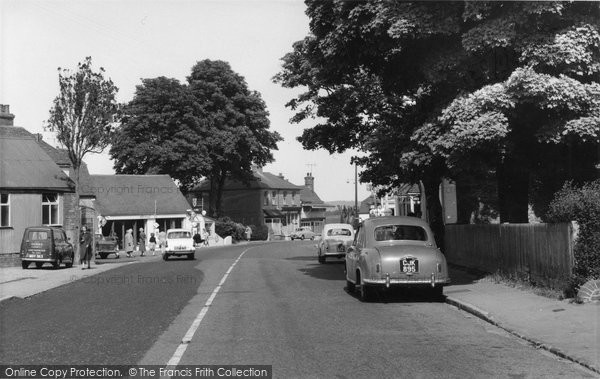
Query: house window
[
  {"x": 286, "y": 201},
  {"x": 274, "y": 198},
  {"x": 266, "y": 198},
  {"x": 50, "y": 209},
  {"x": 293, "y": 198},
  {"x": 4, "y": 210}
]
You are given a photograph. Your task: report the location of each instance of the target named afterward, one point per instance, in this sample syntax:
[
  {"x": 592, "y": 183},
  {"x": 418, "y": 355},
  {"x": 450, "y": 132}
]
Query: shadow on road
[
  {"x": 303, "y": 258},
  {"x": 403, "y": 295},
  {"x": 327, "y": 271}
]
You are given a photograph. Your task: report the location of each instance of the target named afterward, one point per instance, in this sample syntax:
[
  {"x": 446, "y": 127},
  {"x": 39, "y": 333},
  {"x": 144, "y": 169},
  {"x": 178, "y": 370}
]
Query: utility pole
[{"x": 356, "y": 190}]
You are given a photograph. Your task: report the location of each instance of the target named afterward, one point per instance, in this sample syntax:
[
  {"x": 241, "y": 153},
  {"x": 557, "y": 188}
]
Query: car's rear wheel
[
  {"x": 322, "y": 259},
  {"x": 39, "y": 264},
  {"x": 350, "y": 286},
  {"x": 365, "y": 291},
  {"x": 56, "y": 264},
  {"x": 70, "y": 263},
  {"x": 437, "y": 293},
  {"x": 165, "y": 257},
  {"x": 190, "y": 256},
  {"x": 24, "y": 264},
  {"x": 302, "y": 238}
]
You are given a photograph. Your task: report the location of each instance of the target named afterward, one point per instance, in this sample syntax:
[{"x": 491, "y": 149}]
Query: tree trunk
[
  {"x": 77, "y": 216},
  {"x": 513, "y": 191},
  {"x": 434, "y": 208}
]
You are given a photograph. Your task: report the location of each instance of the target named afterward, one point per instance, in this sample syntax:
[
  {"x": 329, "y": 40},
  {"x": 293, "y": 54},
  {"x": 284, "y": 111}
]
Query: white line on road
[{"x": 174, "y": 361}]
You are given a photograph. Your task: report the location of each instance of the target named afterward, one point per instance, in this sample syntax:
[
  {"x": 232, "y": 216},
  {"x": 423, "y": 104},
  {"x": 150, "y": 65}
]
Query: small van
[{"x": 43, "y": 244}]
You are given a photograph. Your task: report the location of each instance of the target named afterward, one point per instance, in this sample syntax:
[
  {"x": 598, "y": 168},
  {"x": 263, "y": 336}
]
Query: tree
[
  {"x": 211, "y": 128},
  {"x": 389, "y": 78},
  {"x": 161, "y": 133},
  {"x": 82, "y": 115},
  {"x": 239, "y": 125}
]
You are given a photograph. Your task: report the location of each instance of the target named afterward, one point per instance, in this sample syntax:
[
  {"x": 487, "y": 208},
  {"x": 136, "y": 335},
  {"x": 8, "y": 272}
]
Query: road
[{"x": 267, "y": 304}]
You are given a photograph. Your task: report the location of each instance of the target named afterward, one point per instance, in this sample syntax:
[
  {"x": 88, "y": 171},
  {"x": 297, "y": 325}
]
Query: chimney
[
  {"x": 309, "y": 181},
  {"x": 6, "y": 118},
  {"x": 281, "y": 176},
  {"x": 257, "y": 168}
]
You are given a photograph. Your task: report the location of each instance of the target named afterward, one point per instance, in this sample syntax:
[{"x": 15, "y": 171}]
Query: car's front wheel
[
  {"x": 322, "y": 258},
  {"x": 24, "y": 264}
]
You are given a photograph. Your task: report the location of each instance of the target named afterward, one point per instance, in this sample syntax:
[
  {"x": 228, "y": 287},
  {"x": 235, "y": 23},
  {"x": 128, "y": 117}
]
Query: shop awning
[{"x": 273, "y": 213}]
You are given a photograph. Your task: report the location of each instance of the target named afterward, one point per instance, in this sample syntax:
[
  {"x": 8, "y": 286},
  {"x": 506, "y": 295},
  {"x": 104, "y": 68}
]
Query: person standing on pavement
[
  {"x": 152, "y": 243},
  {"x": 142, "y": 242},
  {"x": 85, "y": 247},
  {"x": 248, "y": 233},
  {"x": 129, "y": 242},
  {"x": 162, "y": 241}
]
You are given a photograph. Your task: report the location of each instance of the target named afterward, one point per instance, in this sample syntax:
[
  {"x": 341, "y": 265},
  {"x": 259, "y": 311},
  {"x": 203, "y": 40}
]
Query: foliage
[
  {"x": 259, "y": 233},
  {"x": 82, "y": 113},
  {"x": 581, "y": 204},
  {"x": 224, "y": 227},
  {"x": 433, "y": 89},
  {"x": 160, "y": 133},
  {"x": 212, "y": 127}
]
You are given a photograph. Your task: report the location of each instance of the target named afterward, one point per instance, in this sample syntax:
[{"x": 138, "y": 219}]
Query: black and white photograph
[{"x": 299, "y": 189}]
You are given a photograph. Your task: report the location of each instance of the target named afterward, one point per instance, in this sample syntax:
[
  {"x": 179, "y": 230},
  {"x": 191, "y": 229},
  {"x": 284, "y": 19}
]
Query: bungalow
[
  {"x": 313, "y": 208},
  {"x": 34, "y": 190},
  {"x": 150, "y": 202}
]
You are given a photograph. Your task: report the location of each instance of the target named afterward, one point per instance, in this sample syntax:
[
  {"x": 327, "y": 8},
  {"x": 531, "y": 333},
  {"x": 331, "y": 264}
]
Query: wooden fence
[{"x": 542, "y": 253}]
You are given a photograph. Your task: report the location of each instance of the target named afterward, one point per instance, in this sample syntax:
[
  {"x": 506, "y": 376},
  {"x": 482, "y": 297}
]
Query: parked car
[
  {"x": 334, "y": 241},
  {"x": 106, "y": 245},
  {"x": 41, "y": 244},
  {"x": 179, "y": 242},
  {"x": 393, "y": 252},
  {"x": 304, "y": 232}
]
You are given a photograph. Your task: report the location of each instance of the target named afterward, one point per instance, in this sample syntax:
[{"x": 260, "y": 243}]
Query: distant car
[
  {"x": 106, "y": 246},
  {"x": 179, "y": 242},
  {"x": 41, "y": 244},
  {"x": 394, "y": 252},
  {"x": 304, "y": 232},
  {"x": 334, "y": 241}
]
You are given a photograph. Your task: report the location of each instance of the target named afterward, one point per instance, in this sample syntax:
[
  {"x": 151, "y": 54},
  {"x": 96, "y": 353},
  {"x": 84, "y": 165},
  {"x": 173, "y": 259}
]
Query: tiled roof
[
  {"x": 25, "y": 166},
  {"x": 59, "y": 156},
  {"x": 263, "y": 180},
  {"x": 134, "y": 195},
  {"x": 308, "y": 196}
]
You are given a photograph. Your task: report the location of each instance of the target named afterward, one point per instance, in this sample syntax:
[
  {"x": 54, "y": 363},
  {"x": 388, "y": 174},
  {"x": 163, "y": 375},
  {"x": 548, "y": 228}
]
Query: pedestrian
[
  {"x": 152, "y": 243},
  {"x": 248, "y": 233},
  {"x": 205, "y": 236},
  {"x": 129, "y": 242},
  {"x": 162, "y": 241},
  {"x": 197, "y": 239},
  {"x": 142, "y": 242},
  {"x": 85, "y": 247}
]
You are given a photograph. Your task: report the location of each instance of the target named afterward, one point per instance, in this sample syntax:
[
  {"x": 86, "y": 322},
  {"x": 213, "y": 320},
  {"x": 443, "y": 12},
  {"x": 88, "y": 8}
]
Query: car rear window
[
  {"x": 339, "y": 232},
  {"x": 400, "y": 233},
  {"x": 38, "y": 235},
  {"x": 180, "y": 235}
]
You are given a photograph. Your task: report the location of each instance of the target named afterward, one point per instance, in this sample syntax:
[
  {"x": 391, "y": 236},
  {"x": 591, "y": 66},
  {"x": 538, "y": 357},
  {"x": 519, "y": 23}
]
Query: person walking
[
  {"x": 85, "y": 247},
  {"x": 142, "y": 242},
  {"x": 162, "y": 241},
  {"x": 129, "y": 242},
  {"x": 152, "y": 244}
]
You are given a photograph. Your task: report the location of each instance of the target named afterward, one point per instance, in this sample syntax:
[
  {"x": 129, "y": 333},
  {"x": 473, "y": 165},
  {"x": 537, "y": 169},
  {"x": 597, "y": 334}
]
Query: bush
[
  {"x": 259, "y": 233},
  {"x": 583, "y": 206},
  {"x": 224, "y": 227}
]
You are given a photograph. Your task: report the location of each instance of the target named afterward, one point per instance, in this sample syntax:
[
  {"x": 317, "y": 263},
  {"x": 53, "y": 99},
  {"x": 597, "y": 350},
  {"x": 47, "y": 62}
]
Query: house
[
  {"x": 34, "y": 190},
  {"x": 150, "y": 202},
  {"x": 268, "y": 200},
  {"x": 313, "y": 208}
]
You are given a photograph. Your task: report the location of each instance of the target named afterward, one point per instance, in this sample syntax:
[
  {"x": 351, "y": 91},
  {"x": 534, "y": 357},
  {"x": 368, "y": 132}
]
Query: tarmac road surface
[{"x": 269, "y": 304}]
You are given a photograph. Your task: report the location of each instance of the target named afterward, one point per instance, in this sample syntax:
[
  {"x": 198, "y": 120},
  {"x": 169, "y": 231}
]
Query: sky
[{"x": 139, "y": 39}]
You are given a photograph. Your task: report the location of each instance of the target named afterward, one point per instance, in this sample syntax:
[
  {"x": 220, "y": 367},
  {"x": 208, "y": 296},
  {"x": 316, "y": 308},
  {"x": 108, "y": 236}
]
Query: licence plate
[
  {"x": 180, "y": 248},
  {"x": 409, "y": 265}
]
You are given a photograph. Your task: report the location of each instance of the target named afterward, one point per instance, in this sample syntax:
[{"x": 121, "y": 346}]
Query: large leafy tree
[
  {"x": 383, "y": 76},
  {"x": 238, "y": 122},
  {"x": 161, "y": 133},
  {"x": 209, "y": 128},
  {"x": 82, "y": 115}
]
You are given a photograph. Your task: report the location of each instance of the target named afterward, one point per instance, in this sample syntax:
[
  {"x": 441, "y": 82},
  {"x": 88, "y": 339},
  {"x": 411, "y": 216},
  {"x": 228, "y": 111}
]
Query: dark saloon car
[
  {"x": 394, "y": 252},
  {"x": 43, "y": 244},
  {"x": 107, "y": 245}
]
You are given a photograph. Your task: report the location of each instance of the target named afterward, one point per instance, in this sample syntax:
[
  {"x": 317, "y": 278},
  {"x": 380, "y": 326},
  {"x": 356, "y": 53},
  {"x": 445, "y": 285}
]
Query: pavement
[{"x": 562, "y": 327}]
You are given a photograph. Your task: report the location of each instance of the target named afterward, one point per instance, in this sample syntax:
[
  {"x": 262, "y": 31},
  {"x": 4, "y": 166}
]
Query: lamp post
[{"x": 355, "y": 189}]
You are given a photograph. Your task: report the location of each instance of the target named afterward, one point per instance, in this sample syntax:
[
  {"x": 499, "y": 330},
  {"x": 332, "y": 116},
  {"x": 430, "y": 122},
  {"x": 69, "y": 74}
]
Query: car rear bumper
[
  {"x": 38, "y": 259},
  {"x": 180, "y": 252},
  {"x": 407, "y": 282}
]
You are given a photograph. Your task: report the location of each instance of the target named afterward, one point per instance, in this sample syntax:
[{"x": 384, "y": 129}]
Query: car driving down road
[
  {"x": 334, "y": 241},
  {"x": 179, "y": 242}
]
